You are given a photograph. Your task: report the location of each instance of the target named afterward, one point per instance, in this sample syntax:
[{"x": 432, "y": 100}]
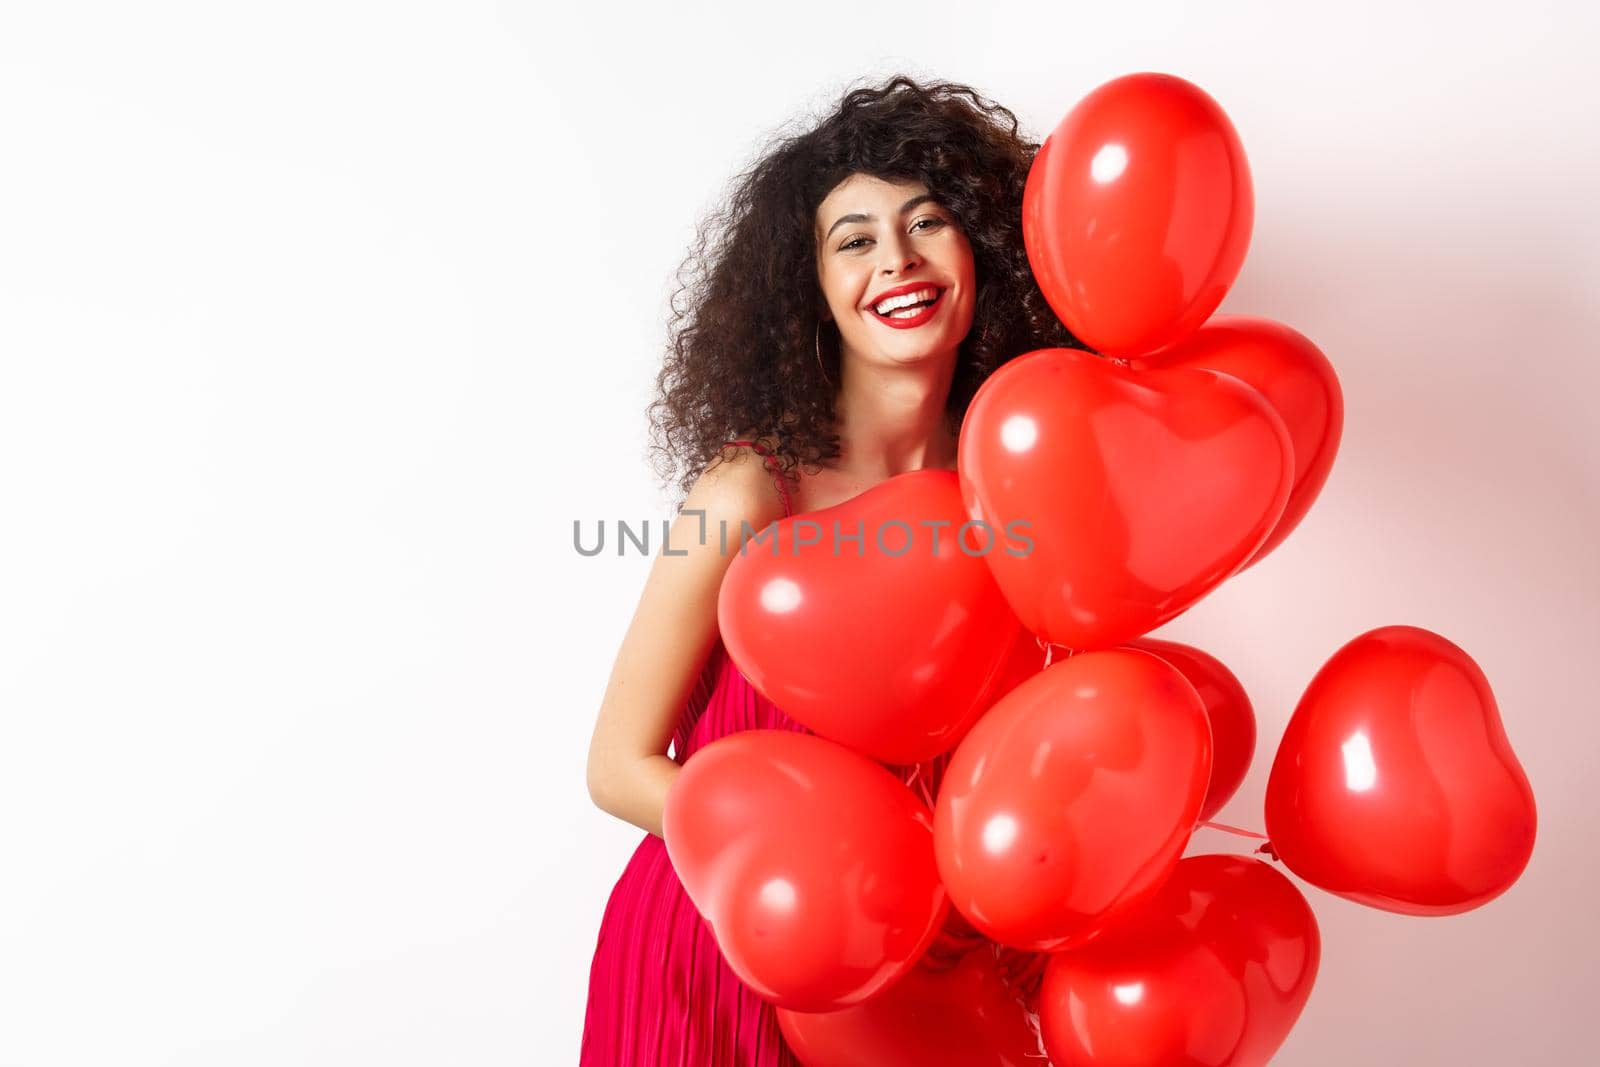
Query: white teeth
[{"x": 895, "y": 302}]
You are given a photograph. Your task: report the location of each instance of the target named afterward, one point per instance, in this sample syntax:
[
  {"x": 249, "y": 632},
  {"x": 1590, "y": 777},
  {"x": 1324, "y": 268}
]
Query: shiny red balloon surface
[
  {"x": 1395, "y": 784},
  {"x": 1137, "y": 213},
  {"x": 1071, "y": 800},
  {"x": 1139, "y": 492},
  {"x": 964, "y": 1016},
  {"x": 813, "y": 865},
  {"x": 1213, "y": 972},
  {"x": 1294, "y": 377},
  {"x": 888, "y": 645},
  {"x": 1227, "y": 705},
  {"x": 1233, "y": 720}
]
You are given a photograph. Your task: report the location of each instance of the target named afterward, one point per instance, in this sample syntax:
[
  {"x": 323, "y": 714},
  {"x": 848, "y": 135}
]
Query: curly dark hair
[{"x": 741, "y": 360}]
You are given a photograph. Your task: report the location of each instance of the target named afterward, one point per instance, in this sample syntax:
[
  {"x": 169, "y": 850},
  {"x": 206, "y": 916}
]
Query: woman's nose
[{"x": 898, "y": 255}]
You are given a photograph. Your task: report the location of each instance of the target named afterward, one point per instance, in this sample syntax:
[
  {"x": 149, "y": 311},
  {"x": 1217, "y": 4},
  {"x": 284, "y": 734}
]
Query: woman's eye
[{"x": 856, "y": 241}]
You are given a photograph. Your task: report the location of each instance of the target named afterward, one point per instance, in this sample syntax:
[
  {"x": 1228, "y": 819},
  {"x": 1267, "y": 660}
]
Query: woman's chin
[{"x": 911, "y": 354}]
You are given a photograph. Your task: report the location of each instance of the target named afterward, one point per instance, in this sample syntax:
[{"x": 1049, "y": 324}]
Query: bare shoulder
[{"x": 737, "y": 484}]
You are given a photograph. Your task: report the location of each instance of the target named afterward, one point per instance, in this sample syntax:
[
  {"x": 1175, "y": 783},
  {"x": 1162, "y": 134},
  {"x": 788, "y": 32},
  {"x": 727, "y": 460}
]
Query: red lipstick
[{"x": 908, "y": 322}]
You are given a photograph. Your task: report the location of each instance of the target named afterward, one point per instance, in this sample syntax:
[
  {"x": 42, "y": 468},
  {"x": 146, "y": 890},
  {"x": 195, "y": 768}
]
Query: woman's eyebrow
[{"x": 859, "y": 217}]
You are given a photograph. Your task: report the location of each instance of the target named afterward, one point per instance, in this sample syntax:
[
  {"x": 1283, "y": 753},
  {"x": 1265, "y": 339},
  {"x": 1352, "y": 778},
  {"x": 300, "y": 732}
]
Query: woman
[{"x": 863, "y": 280}]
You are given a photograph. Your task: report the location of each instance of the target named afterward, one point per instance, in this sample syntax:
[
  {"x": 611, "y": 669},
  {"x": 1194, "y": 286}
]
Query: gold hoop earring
[{"x": 820, "y": 366}]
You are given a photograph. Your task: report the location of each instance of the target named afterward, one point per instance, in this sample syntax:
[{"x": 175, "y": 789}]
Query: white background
[{"x": 321, "y": 323}]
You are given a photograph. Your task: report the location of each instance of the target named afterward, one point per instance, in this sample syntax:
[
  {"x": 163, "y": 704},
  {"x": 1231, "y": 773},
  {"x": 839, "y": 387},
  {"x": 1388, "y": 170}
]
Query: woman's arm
[{"x": 666, "y": 644}]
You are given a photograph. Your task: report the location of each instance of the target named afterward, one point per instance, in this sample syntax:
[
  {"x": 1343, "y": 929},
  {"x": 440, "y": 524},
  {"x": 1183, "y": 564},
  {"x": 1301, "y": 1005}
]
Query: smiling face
[{"x": 875, "y": 238}]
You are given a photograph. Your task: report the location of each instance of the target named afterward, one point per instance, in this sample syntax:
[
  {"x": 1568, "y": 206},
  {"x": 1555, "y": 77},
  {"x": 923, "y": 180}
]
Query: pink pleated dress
[{"x": 660, "y": 993}]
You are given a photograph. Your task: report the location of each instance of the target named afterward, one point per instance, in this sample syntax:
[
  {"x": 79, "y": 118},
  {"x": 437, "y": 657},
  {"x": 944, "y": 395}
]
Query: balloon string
[
  {"x": 1265, "y": 850},
  {"x": 1050, "y": 647},
  {"x": 914, "y": 779}
]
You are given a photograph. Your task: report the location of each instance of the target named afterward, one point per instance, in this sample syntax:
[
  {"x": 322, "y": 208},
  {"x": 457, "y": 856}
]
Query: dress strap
[{"x": 773, "y": 466}]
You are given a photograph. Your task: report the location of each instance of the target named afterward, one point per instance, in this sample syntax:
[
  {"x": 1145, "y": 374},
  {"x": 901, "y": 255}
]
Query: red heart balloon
[
  {"x": 1213, "y": 972},
  {"x": 812, "y": 864},
  {"x": 888, "y": 645},
  {"x": 1294, "y": 377},
  {"x": 1137, "y": 213},
  {"x": 1395, "y": 785},
  {"x": 1139, "y": 492},
  {"x": 1228, "y": 710},
  {"x": 1071, "y": 800},
  {"x": 963, "y": 1016}
]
